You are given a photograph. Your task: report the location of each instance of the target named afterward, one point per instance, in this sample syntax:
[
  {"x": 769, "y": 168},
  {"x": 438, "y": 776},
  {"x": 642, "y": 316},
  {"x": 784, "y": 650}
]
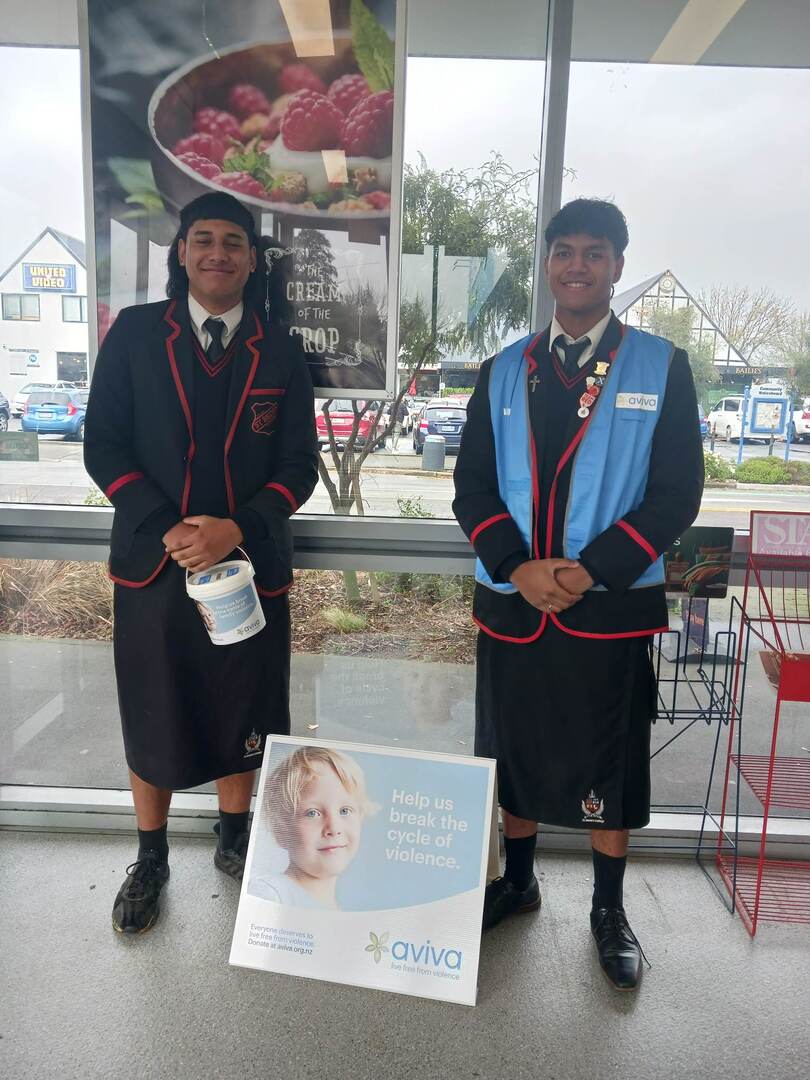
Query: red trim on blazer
[
  {"x": 140, "y": 584},
  {"x": 513, "y": 640},
  {"x": 275, "y": 592},
  {"x": 288, "y": 495},
  {"x": 478, "y": 528},
  {"x": 569, "y": 384},
  {"x": 561, "y": 464},
  {"x": 553, "y": 493},
  {"x": 212, "y": 370},
  {"x": 183, "y": 402},
  {"x": 250, "y": 344},
  {"x": 122, "y": 481},
  {"x": 639, "y": 539},
  {"x": 276, "y": 390},
  {"x": 624, "y": 634}
]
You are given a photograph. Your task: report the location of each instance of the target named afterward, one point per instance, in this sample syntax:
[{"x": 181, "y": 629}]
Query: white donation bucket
[{"x": 227, "y": 600}]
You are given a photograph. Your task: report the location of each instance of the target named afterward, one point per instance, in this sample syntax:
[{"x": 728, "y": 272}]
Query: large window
[{"x": 21, "y": 307}]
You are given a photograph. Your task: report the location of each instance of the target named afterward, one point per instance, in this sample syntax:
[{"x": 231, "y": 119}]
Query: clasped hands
[
  {"x": 196, "y": 543},
  {"x": 551, "y": 585}
]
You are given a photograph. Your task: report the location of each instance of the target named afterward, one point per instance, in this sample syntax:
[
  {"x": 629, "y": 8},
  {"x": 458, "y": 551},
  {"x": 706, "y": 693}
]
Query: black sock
[
  {"x": 608, "y": 878},
  {"x": 519, "y": 859},
  {"x": 153, "y": 840},
  {"x": 231, "y": 826}
]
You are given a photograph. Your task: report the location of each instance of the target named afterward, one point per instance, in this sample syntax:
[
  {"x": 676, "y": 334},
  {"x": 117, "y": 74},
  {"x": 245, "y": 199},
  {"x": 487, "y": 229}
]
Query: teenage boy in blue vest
[{"x": 581, "y": 462}]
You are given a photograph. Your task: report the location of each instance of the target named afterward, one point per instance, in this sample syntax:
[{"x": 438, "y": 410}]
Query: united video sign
[{"x": 47, "y": 277}]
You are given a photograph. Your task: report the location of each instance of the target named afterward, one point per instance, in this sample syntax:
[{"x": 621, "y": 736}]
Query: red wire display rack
[{"x": 776, "y": 614}]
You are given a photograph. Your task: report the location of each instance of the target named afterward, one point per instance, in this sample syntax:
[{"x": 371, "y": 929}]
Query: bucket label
[
  {"x": 227, "y": 615},
  {"x": 218, "y": 575}
]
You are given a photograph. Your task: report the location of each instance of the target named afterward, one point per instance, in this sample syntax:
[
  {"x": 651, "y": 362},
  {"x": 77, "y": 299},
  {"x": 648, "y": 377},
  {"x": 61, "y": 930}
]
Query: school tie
[
  {"x": 215, "y": 350},
  {"x": 572, "y": 353}
]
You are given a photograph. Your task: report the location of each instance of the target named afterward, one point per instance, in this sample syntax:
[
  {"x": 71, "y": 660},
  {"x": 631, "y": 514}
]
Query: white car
[
  {"x": 801, "y": 422},
  {"x": 21, "y": 398}
]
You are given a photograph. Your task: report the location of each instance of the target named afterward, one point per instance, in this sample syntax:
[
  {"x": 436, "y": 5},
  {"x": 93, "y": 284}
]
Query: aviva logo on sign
[
  {"x": 377, "y": 945},
  {"x": 405, "y": 951}
]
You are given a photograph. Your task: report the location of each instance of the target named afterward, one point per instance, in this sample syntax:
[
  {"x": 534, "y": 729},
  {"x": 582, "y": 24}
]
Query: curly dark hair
[
  {"x": 593, "y": 217},
  {"x": 266, "y": 282}
]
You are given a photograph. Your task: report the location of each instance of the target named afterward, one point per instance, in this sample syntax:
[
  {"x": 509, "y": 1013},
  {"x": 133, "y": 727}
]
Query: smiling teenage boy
[
  {"x": 581, "y": 462},
  {"x": 200, "y": 431}
]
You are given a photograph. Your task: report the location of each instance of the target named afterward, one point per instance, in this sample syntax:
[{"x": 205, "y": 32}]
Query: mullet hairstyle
[
  {"x": 594, "y": 217},
  {"x": 286, "y": 783}
]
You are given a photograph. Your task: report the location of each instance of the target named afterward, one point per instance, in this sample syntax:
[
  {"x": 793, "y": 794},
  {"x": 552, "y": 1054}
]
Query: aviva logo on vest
[{"x": 647, "y": 402}]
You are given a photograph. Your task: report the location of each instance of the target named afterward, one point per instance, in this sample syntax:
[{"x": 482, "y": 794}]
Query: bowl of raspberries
[{"x": 306, "y": 139}]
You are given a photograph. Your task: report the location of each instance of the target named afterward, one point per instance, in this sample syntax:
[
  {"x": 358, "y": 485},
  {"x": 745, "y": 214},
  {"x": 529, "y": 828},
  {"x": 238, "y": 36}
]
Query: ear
[
  {"x": 181, "y": 252},
  {"x": 617, "y": 273},
  {"x": 545, "y": 264},
  {"x": 252, "y": 259}
]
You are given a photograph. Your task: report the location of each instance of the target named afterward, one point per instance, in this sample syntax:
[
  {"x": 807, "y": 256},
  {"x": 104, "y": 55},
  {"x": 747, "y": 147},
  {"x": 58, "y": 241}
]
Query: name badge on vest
[{"x": 646, "y": 402}]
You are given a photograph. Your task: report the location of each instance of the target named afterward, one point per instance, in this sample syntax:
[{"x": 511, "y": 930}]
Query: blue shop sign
[{"x": 46, "y": 277}]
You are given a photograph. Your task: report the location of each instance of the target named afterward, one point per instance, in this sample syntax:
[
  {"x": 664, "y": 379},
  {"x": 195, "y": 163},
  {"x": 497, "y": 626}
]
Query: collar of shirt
[
  {"x": 198, "y": 315},
  {"x": 595, "y": 334}
]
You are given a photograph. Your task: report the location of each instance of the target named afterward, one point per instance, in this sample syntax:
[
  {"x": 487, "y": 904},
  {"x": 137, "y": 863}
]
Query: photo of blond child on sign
[{"x": 315, "y": 803}]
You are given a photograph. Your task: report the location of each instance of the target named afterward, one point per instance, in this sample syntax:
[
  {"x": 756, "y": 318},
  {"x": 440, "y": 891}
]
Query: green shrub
[
  {"x": 767, "y": 470},
  {"x": 94, "y": 497},
  {"x": 717, "y": 468},
  {"x": 345, "y": 622},
  {"x": 412, "y": 508},
  {"x": 799, "y": 471}
]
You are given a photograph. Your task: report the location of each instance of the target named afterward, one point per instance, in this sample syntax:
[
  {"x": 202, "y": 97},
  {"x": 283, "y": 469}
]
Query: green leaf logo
[
  {"x": 373, "y": 48},
  {"x": 377, "y": 945}
]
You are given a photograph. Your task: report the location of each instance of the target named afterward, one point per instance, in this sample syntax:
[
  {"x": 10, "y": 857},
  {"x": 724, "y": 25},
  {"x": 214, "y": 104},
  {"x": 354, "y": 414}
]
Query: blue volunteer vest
[{"x": 610, "y": 466}]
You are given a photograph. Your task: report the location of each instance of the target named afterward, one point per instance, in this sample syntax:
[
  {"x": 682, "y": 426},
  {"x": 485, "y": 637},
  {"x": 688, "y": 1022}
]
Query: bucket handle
[{"x": 237, "y": 548}]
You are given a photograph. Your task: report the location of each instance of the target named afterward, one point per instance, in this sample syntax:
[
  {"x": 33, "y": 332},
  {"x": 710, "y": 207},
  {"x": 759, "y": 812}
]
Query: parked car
[
  {"x": 5, "y": 412},
  {"x": 800, "y": 424},
  {"x": 341, "y": 415},
  {"x": 56, "y": 412},
  {"x": 22, "y": 396},
  {"x": 440, "y": 417}
]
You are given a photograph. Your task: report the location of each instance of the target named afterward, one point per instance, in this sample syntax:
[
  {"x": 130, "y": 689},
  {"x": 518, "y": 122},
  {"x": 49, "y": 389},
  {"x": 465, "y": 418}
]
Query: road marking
[{"x": 37, "y": 722}]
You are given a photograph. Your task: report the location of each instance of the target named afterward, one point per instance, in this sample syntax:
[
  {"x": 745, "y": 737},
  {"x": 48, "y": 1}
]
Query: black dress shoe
[
  {"x": 231, "y": 861},
  {"x": 502, "y": 899},
  {"x": 619, "y": 950},
  {"x": 136, "y": 906}
]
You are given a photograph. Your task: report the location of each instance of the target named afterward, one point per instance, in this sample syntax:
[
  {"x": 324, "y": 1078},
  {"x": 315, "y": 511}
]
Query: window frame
[
  {"x": 20, "y": 297},
  {"x": 82, "y": 307}
]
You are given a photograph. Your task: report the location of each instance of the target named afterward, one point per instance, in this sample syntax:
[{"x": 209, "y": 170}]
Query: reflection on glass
[{"x": 377, "y": 658}]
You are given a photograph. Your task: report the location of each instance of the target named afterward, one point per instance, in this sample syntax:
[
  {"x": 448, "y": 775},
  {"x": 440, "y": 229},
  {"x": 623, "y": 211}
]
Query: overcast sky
[{"x": 710, "y": 165}]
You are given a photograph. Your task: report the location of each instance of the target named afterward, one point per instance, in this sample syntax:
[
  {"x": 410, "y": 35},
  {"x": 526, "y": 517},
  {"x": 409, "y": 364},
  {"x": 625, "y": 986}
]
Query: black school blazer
[{"x": 139, "y": 435}]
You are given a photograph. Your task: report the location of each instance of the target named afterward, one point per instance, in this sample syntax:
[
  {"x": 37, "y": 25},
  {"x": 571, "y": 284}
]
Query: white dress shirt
[
  {"x": 595, "y": 335},
  {"x": 198, "y": 315}
]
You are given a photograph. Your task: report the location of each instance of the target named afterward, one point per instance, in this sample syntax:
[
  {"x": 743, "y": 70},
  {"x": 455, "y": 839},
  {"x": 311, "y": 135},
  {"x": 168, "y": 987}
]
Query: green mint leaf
[
  {"x": 251, "y": 161},
  {"x": 134, "y": 176},
  {"x": 373, "y": 48}
]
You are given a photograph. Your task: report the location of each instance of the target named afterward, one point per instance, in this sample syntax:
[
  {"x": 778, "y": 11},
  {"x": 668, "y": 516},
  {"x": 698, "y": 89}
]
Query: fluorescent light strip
[
  {"x": 310, "y": 26},
  {"x": 695, "y": 30}
]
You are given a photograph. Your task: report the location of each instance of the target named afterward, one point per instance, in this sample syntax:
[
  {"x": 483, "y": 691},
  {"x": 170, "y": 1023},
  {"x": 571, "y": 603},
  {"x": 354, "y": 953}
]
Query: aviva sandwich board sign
[
  {"x": 367, "y": 866},
  {"x": 48, "y": 277}
]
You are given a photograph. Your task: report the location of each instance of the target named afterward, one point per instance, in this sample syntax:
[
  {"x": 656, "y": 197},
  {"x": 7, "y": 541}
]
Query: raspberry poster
[{"x": 293, "y": 106}]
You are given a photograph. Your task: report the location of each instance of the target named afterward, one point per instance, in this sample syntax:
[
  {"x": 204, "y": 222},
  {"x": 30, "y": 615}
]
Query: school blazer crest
[{"x": 140, "y": 439}]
